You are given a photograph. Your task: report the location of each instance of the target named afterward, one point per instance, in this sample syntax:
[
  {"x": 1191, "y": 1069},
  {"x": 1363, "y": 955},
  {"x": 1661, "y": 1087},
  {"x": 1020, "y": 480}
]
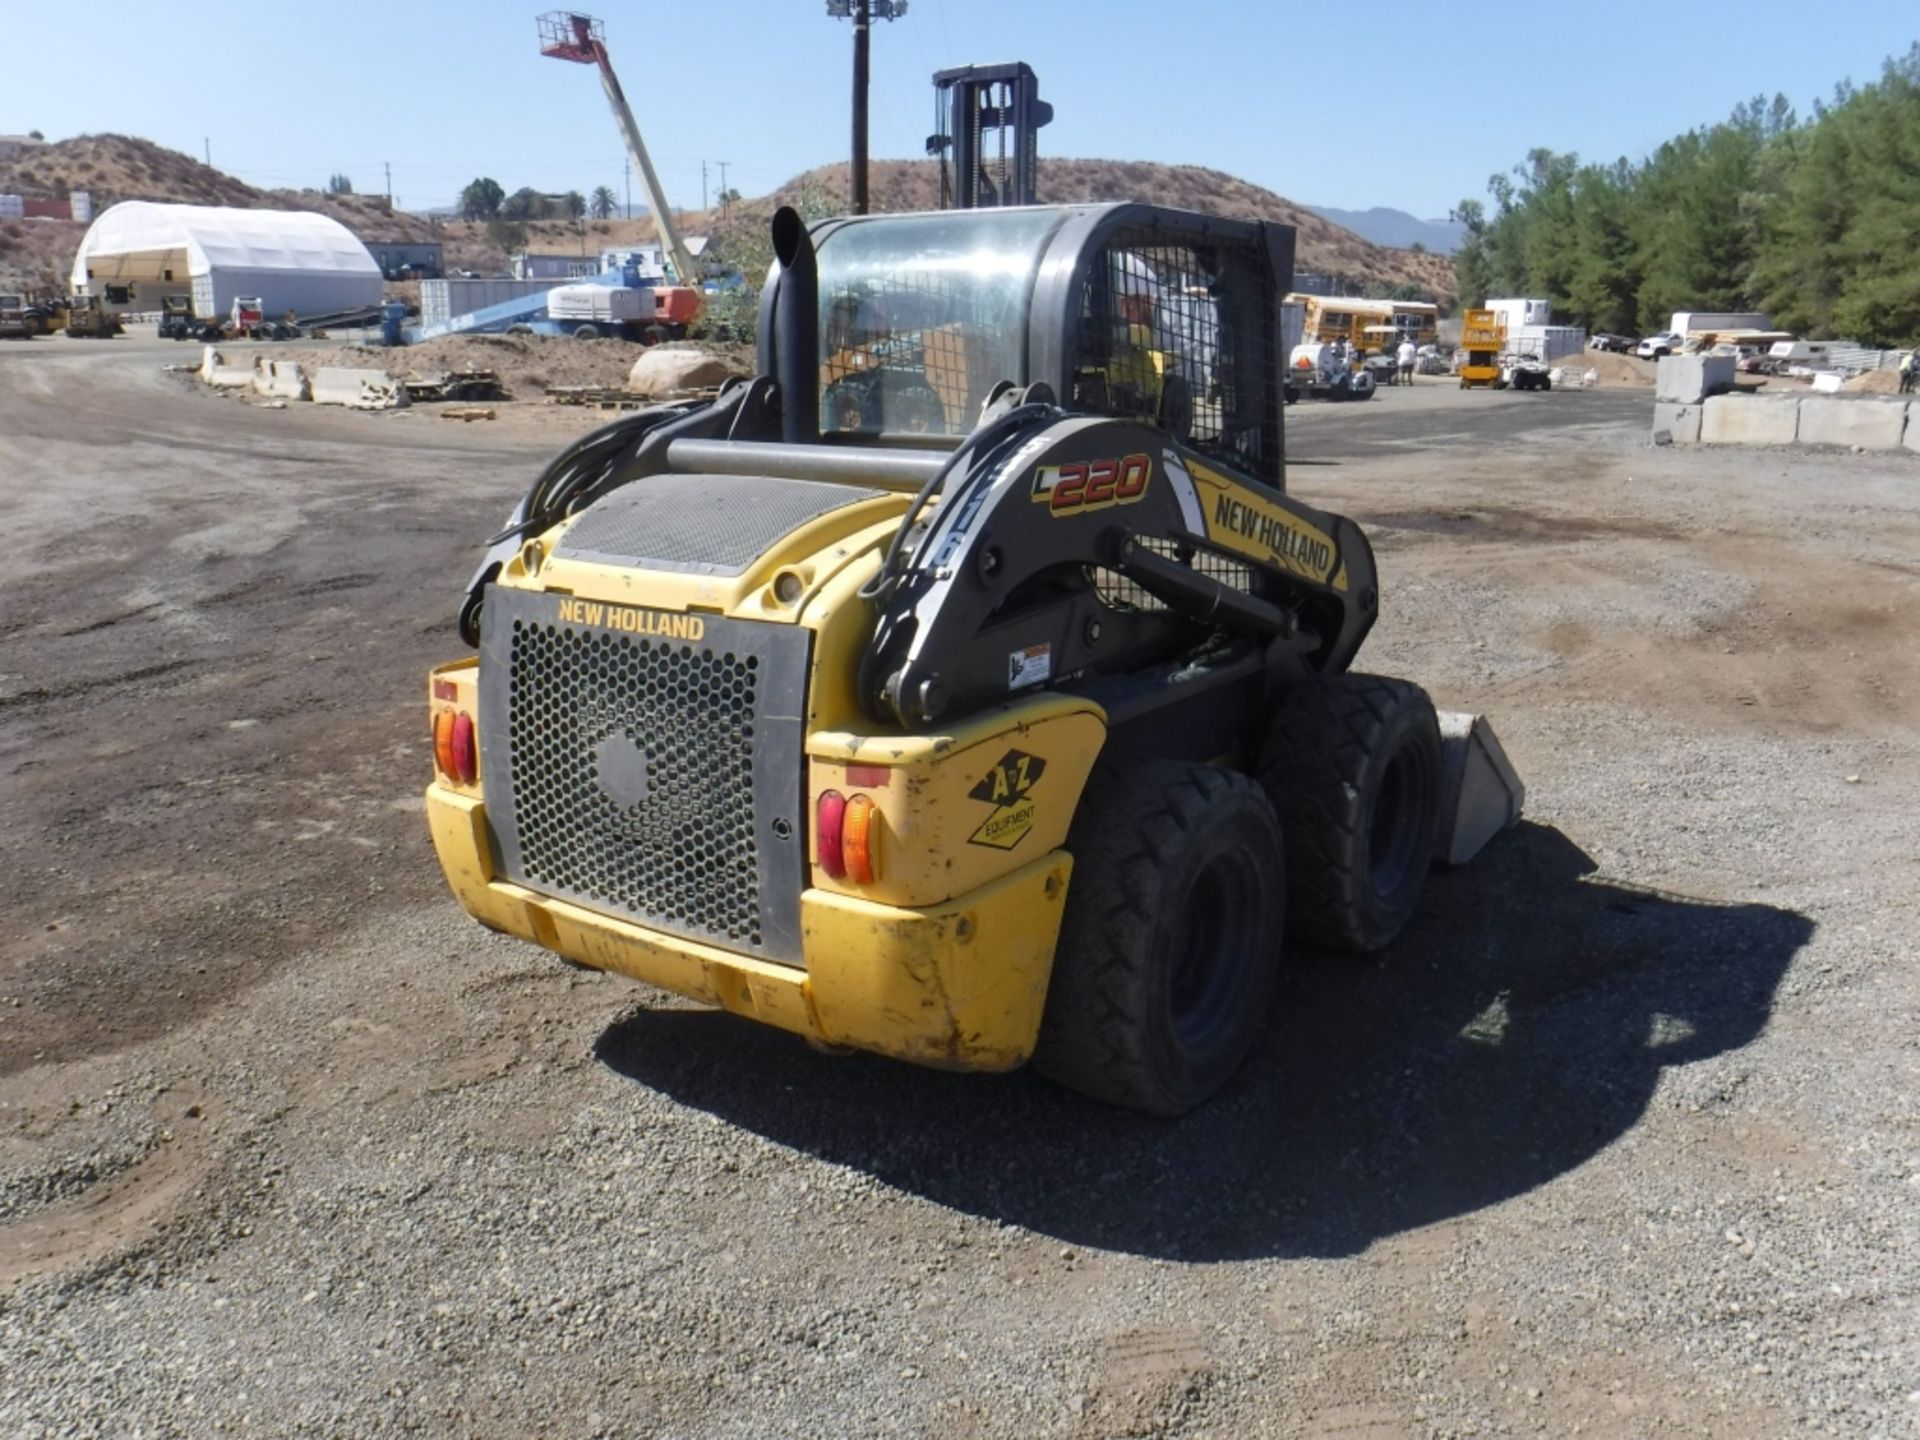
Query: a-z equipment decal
[
  {"x": 1008, "y": 788},
  {"x": 1080, "y": 486},
  {"x": 1243, "y": 520}
]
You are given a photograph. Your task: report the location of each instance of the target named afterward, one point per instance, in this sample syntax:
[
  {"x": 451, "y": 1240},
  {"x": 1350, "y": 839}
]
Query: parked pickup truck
[{"x": 1654, "y": 346}]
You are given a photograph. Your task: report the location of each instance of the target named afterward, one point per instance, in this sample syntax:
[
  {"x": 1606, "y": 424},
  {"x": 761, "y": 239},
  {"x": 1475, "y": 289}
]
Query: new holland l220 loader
[{"x": 966, "y": 687}]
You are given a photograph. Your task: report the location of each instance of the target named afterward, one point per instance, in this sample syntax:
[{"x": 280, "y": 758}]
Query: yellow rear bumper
[{"x": 958, "y": 985}]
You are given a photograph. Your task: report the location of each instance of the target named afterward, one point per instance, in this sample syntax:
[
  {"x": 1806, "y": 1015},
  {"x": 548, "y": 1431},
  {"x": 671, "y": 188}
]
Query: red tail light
[
  {"x": 456, "y": 748},
  {"x": 830, "y": 816},
  {"x": 466, "y": 751},
  {"x": 848, "y": 831}
]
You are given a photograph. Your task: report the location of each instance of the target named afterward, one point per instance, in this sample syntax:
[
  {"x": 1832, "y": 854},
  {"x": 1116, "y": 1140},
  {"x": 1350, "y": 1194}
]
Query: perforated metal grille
[
  {"x": 713, "y": 524},
  {"x": 648, "y": 777},
  {"x": 634, "y": 767}
]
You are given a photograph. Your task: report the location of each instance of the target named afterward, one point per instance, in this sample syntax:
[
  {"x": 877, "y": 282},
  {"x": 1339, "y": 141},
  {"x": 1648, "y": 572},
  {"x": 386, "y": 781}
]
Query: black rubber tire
[
  {"x": 1170, "y": 945},
  {"x": 1352, "y": 764},
  {"x": 586, "y": 332}
]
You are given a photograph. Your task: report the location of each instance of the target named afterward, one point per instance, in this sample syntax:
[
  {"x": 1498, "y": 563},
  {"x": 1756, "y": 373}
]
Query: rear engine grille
[{"x": 646, "y": 776}]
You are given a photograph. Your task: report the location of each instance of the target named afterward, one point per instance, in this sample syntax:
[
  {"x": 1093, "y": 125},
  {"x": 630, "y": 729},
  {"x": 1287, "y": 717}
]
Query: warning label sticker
[{"x": 1031, "y": 666}]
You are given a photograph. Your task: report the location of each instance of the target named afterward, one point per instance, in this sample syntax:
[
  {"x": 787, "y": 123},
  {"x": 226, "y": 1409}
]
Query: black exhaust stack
[{"x": 796, "y": 329}]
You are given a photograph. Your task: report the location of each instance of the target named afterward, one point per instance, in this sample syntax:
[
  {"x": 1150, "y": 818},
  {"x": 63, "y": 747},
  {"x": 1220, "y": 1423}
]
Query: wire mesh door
[{"x": 1180, "y": 334}]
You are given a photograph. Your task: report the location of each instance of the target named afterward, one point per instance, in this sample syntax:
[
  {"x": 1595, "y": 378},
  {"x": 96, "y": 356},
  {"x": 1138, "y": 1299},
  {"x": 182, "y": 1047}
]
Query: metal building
[{"x": 139, "y": 251}]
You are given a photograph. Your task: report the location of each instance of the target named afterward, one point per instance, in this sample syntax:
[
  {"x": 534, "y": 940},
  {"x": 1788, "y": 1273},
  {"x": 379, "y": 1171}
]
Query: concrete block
[
  {"x": 1850, "y": 420},
  {"x": 357, "y": 389},
  {"x": 1689, "y": 379},
  {"x": 215, "y": 371},
  {"x": 1681, "y": 422},
  {"x": 281, "y": 379},
  {"x": 1749, "y": 420}
]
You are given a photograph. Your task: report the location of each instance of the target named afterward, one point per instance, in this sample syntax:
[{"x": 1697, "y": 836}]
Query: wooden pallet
[
  {"x": 467, "y": 384},
  {"x": 467, "y": 412},
  {"x": 612, "y": 397}
]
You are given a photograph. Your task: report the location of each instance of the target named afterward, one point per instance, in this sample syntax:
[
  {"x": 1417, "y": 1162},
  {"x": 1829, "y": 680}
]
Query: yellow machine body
[{"x": 943, "y": 957}]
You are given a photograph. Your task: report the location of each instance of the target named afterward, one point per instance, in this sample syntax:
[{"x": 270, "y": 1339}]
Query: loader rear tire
[
  {"x": 1171, "y": 940},
  {"x": 1352, "y": 764}
]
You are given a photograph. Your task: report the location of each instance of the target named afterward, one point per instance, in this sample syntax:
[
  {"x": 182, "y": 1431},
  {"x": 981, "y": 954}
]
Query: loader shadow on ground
[{"x": 1518, "y": 1029}]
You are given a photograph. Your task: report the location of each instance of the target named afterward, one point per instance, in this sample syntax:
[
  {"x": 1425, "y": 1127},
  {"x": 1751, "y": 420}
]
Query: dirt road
[{"x": 1619, "y": 1139}]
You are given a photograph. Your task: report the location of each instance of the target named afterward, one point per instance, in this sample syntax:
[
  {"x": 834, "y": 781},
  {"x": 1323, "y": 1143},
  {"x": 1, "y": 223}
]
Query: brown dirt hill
[
  {"x": 39, "y": 253},
  {"x": 1323, "y": 246},
  {"x": 896, "y": 185}
]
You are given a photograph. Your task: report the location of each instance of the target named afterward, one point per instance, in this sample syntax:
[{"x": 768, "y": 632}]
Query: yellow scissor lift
[{"x": 1483, "y": 336}]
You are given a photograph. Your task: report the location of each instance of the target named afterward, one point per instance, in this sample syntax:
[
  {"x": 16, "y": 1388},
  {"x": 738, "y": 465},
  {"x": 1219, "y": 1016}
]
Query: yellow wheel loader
[{"x": 942, "y": 691}]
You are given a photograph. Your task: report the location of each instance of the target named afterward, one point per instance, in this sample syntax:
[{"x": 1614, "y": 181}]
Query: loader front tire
[
  {"x": 1171, "y": 940},
  {"x": 1352, "y": 764}
]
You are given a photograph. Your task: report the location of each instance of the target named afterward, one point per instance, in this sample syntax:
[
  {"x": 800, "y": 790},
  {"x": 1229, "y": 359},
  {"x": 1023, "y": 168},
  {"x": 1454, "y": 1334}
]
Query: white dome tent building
[{"x": 139, "y": 251}]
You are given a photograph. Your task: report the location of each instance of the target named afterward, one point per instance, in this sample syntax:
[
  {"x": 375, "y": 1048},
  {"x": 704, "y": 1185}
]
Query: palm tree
[
  {"x": 576, "y": 204},
  {"x": 604, "y": 203}
]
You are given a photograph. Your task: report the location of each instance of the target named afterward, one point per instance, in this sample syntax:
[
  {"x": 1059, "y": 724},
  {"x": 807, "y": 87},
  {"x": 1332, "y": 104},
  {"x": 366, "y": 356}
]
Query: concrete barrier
[
  {"x": 282, "y": 379},
  {"x": 1868, "y": 423},
  {"x": 357, "y": 389},
  {"x": 1749, "y": 420},
  {"x": 1679, "y": 423},
  {"x": 215, "y": 371},
  {"x": 1689, "y": 379}
]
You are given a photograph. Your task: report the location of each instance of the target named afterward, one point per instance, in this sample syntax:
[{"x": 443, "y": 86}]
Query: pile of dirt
[
  {"x": 1875, "y": 382},
  {"x": 528, "y": 365},
  {"x": 1615, "y": 370}
]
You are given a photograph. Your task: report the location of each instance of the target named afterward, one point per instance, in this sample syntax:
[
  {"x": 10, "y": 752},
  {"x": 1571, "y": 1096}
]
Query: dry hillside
[
  {"x": 38, "y": 253},
  {"x": 1323, "y": 246}
]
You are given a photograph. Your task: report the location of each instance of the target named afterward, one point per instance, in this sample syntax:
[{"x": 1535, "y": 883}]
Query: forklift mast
[{"x": 987, "y": 140}]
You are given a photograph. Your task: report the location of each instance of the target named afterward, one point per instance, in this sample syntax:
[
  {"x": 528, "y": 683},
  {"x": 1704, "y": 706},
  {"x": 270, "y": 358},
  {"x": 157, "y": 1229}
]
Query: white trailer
[{"x": 590, "y": 311}]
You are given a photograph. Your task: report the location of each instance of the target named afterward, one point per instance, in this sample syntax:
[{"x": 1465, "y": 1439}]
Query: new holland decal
[
  {"x": 632, "y": 621},
  {"x": 1242, "y": 520},
  {"x": 1008, "y": 788},
  {"x": 1080, "y": 486}
]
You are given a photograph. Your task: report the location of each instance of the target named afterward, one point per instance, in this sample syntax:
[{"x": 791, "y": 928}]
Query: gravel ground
[{"x": 1620, "y": 1140}]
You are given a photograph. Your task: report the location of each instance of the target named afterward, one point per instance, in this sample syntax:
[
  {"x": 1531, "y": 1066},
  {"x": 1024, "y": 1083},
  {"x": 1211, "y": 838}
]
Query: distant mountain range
[{"x": 1384, "y": 226}]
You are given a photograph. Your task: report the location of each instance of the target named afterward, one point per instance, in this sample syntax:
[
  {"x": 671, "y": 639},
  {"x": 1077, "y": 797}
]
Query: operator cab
[{"x": 1128, "y": 311}]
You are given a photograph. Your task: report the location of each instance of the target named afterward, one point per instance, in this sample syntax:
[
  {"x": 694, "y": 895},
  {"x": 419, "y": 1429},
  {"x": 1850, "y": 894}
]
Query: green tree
[
  {"x": 526, "y": 203},
  {"x": 339, "y": 185},
  {"x": 482, "y": 198},
  {"x": 575, "y": 203},
  {"x": 603, "y": 203}
]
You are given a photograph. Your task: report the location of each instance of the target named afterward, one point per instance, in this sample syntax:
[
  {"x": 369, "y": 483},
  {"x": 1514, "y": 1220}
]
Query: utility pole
[
  {"x": 208, "y": 142},
  {"x": 724, "y": 192},
  {"x": 703, "y": 184},
  {"x": 389, "y": 167},
  {"x": 863, "y": 13},
  {"x": 626, "y": 178}
]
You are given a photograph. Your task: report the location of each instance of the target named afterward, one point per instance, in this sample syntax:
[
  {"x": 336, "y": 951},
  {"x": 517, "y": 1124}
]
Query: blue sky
[{"x": 1337, "y": 102}]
